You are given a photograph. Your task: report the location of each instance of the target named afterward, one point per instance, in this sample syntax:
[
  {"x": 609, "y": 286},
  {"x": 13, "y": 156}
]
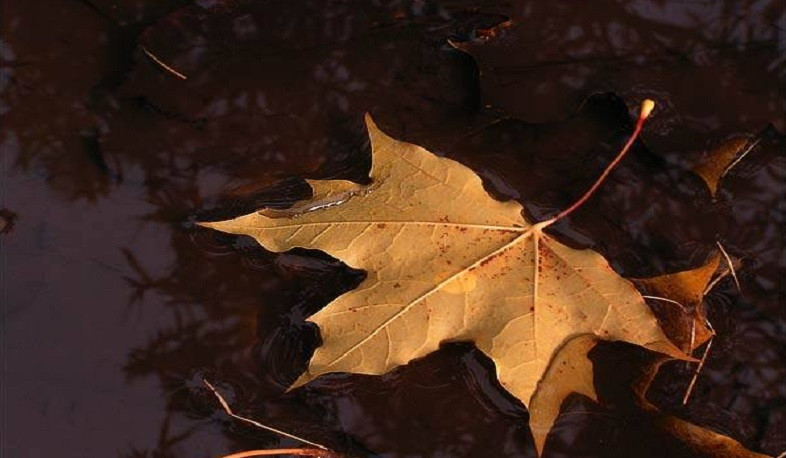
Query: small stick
[
  {"x": 715, "y": 281},
  {"x": 313, "y": 452},
  {"x": 646, "y": 108},
  {"x": 741, "y": 156},
  {"x": 698, "y": 370},
  {"x": 730, "y": 264},
  {"x": 658, "y": 298},
  {"x": 228, "y": 410},
  {"x": 163, "y": 65}
]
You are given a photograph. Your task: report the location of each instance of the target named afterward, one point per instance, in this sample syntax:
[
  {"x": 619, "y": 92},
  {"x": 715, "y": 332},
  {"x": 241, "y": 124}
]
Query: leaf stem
[{"x": 646, "y": 108}]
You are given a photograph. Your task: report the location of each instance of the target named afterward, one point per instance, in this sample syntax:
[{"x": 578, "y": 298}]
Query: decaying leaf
[
  {"x": 572, "y": 373},
  {"x": 714, "y": 165},
  {"x": 685, "y": 292},
  {"x": 447, "y": 262}
]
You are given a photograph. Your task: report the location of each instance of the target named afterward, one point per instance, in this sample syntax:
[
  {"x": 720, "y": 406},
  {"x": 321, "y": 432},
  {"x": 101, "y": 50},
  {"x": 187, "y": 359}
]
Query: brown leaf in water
[
  {"x": 683, "y": 295},
  {"x": 447, "y": 262},
  {"x": 716, "y": 163},
  {"x": 572, "y": 372}
]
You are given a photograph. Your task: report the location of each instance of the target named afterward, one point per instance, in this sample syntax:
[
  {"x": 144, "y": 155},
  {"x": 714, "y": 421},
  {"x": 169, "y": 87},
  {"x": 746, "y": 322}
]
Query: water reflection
[
  {"x": 712, "y": 66},
  {"x": 130, "y": 156}
]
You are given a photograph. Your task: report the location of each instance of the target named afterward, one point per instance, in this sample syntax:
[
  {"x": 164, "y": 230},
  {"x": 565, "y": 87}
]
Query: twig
[
  {"x": 313, "y": 452},
  {"x": 658, "y": 298},
  {"x": 689, "y": 391},
  {"x": 741, "y": 156},
  {"x": 163, "y": 65},
  {"x": 228, "y": 410},
  {"x": 730, "y": 264},
  {"x": 715, "y": 281}
]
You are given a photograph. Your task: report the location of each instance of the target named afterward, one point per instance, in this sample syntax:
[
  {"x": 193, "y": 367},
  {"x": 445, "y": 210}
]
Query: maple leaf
[
  {"x": 572, "y": 372},
  {"x": 447, "y": 262}
]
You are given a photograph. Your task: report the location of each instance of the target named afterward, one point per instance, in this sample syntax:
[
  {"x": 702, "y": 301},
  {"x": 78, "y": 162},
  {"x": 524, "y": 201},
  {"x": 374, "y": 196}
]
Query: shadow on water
[{"x": 114, "y": 159}]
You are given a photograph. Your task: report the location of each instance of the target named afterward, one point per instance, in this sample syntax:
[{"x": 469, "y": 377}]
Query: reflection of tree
[
  {"x": 7, "y": 220},
  {"x": 56, "y": 85},
  {"x": 682, "y": 53},
  {"x": 120, "y": 111},
  {"x": 222, "y": 293},
  {"x": 166, "y": 443}
]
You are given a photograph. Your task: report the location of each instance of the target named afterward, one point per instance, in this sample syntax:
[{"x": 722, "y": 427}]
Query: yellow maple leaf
[{"x": 447, "y": 262}]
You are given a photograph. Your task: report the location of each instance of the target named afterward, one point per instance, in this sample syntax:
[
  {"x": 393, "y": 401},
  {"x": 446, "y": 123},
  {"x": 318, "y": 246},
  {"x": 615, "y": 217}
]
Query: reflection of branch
[
  {"x": 228, "y": 410},
  {"x": 7, "y": 220},
  {"x": 144, "y": 281},
  {"x": 165, "y": 441}
]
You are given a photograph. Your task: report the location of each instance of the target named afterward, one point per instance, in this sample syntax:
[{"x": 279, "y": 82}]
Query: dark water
[{"x": 116, "y": 305}]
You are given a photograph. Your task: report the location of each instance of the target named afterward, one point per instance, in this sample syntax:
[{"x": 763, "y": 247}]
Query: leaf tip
[
  {"x": 666, "y": 347},
  {"x": 370, "y": 124},
  {"x": 207, "y": 224},
  {"x": 539, "y": 436},
  {"x": 304, "y": 378},
  {"x": 215, "y": 225}
]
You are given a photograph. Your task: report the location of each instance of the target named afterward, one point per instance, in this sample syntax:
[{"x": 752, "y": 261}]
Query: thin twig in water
[
  {"x": 228, "y": 410},
  {"x": 730, "y": 264},
  {"x": 689, "y": 391},
  {"x": 658, "y": 298},
  {"x": 741, "y": 156},
  {"x": 312, "y": 452},
  {"x": 163, "y": 65},
  {"x": 715, "y": 281}
]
